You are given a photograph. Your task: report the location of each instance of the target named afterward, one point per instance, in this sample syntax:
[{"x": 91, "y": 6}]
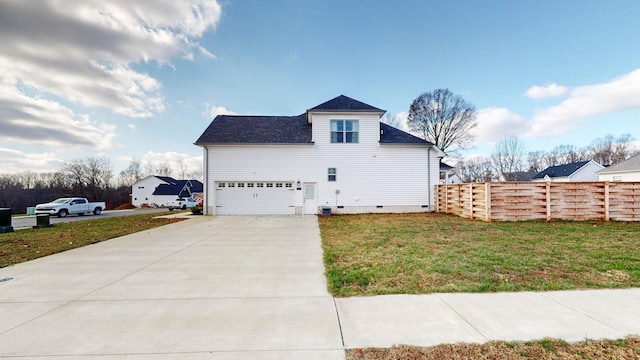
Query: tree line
[
  {"x": 91, "y": 177},
  {"x": 447, "y": 120},
  {"x": 509, "y": 157}
]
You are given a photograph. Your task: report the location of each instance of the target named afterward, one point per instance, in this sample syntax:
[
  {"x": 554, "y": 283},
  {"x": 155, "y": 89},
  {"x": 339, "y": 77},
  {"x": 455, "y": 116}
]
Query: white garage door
[{"x": 254, "y": 198}]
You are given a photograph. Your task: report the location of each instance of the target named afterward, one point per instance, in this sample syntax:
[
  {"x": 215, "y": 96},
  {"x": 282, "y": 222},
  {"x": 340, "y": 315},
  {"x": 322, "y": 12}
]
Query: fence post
[
  {"x": 606, "y": 201},
  {"x": 446, "y": 198},
  {"x": 548, "y": 186},
  {"x": 471, "y": 201},
  {"x": 487, "y": 201}
]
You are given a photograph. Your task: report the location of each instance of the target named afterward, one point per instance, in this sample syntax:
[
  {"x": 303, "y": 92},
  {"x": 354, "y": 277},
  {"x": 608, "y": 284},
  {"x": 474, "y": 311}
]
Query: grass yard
[
  {"x": 628, "y": 348},
  {"x": 28, "y": 244},
  {"x": 376, "y": 254}
]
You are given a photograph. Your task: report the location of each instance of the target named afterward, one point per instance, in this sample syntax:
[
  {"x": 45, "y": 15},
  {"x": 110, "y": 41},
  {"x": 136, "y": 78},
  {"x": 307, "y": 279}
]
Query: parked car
[
  {"x": 72, "y": 205},
  {"x": 182, "y": 203}
]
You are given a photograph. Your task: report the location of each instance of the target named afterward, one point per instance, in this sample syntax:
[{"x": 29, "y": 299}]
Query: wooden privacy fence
[{"x": 514, "y": 201}]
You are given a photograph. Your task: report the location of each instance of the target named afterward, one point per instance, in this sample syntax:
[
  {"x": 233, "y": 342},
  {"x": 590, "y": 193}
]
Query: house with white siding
[
  {"x": 155, "y": 190},
  {"x": 577, "y": 171},
  {"x": 336, "y": 155},
  {"x": 628, "y": 170}
]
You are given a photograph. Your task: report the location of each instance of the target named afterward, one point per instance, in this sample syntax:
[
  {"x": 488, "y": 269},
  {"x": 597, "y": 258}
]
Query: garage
[{"x": 254, "y": 198}]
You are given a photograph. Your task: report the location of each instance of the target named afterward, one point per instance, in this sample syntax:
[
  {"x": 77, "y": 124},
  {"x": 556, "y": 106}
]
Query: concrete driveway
[{"x": 223, "y": 287}]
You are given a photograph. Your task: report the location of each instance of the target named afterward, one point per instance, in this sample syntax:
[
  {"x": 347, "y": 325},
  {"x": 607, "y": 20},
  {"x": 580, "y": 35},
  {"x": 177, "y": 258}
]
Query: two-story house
[
  {"x": 337, "y": 155},
  {"x": 157, "y": 190}
]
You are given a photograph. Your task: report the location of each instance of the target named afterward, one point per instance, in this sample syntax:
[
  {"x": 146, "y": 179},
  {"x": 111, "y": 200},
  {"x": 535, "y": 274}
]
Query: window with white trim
[
  {"x": 332, "y": 174},
  {"x": 344, "y": 131}
]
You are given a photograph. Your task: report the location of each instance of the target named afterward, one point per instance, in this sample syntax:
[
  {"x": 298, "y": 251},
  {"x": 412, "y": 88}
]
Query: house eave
[
  {"x": 252, "y": 144},
  {"x": 343, "y": 112}
]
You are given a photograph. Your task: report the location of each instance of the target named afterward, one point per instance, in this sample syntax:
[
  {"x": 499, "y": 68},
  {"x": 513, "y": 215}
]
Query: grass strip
[
  {"x": 29, "y": 244},
  {"x": 628, "y": 348}
]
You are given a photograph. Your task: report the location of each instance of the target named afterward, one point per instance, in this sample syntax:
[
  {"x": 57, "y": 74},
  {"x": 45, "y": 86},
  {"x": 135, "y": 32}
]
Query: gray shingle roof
[
  {"x": 560, "y": 170},
  {"x": 344, "y": 103},
  {"x": 391, "y": 135},
  {"x": 239, "y": 129},
  {"x": 631, "y": 164}
]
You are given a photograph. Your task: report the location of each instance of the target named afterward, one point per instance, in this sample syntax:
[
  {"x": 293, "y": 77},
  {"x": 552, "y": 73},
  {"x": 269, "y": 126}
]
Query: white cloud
[
  {"x": 581, "y": 103},
  {"x": 12, "y": 161},
  {"x": 25, "y": 119},
  {"x": 547, "y": 91},
  {"x": 588, "y": 101},
  {"x": 131, "y": 126},
  {"x": 497, "y": 123},
  {"x": 84, "y": 53},
  {"x": 211, "y": 111}
]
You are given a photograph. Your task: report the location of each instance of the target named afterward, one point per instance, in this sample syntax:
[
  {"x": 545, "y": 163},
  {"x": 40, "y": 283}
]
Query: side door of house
[{"x": 310, "y": 199}]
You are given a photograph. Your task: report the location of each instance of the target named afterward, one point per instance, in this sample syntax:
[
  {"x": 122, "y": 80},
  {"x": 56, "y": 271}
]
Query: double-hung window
[
  {"x": 344, "y": 131},
  {"x": 332, "y": 174}
]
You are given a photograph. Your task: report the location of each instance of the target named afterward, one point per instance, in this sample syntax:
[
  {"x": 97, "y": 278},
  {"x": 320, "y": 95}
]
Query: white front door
[{"x": 310, "y": 201}]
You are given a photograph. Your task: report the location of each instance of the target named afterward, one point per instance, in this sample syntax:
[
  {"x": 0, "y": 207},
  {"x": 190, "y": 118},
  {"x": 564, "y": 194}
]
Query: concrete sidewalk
[
  {"x": 254, "y": 287},
  {"x": 426, "y": 320}
]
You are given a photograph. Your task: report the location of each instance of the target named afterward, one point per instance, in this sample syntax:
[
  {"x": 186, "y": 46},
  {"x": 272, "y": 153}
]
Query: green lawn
[
  {"x": 28, "y": 244},
  {"x": 376, "y": 254}
]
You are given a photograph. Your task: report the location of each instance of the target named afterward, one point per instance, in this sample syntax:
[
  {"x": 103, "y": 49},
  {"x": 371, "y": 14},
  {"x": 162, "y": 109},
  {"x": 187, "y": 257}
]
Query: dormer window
[{"x": 344, "y": 131}]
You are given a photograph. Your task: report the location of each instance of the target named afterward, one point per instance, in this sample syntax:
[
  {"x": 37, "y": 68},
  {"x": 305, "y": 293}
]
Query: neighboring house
[
  {"x": 628, "y": 170},
  {"x": 578, "y": 171},
  {"x": 336, "y": 155},
  {"x": 447, "y": 174},
  {"x": 519, "y": 175},
  {"x": 158, "y": 190}
]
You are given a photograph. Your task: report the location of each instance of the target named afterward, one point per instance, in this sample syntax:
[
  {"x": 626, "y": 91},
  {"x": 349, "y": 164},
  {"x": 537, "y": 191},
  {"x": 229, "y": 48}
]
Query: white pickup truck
[
  {"x": 65, "y": 206},
  {"x": 182, "y": 203}
]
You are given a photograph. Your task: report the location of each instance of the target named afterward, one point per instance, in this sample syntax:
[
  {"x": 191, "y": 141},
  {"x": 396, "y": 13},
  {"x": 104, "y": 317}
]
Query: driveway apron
[{"x": 222, "y": 287}]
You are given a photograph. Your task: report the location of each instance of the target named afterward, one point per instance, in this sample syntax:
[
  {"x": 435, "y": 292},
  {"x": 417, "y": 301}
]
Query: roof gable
[
  {"x": 344, "y": 103},
  {"x": 180, "y": 188},
  {"x": 561, "y": 170}
]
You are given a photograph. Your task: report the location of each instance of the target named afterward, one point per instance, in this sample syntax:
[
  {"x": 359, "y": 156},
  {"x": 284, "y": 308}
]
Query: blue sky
[{"x": 144, "y": 80}]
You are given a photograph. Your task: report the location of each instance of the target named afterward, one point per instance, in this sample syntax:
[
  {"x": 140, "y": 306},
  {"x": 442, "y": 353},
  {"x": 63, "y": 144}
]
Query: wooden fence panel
[
  {"x": 515, "y": 201},
  {"x": 518, "y": 201},
  {"x": 624, "y": 201},
  {"x": 577, "y": 201}
]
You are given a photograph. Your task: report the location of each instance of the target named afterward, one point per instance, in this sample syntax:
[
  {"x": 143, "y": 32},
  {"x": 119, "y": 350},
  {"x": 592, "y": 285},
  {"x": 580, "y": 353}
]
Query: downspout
[
  {"x": 429, "y": 177},
  {"x": 205, "y": 198}
]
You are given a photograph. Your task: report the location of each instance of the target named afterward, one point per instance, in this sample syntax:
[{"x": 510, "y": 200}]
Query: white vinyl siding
[{"x": 370, "y": 175}]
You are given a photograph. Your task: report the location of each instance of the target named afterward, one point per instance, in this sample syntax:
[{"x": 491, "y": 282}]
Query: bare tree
[
  {"x": 132, "y": 173},
  {"x": 163, "y": 169},
  {"x": 508, "y": 157},
  {"x": 89, "y": 177},
  {"x": 609, "y": 150},
  {"x": 182, "y": 167},
  {"x": 536, "y": 161},
  {"x": 443, "y": 118},
  {"x": 475, "y": 170},
  {"x": 98, "y": 177}
]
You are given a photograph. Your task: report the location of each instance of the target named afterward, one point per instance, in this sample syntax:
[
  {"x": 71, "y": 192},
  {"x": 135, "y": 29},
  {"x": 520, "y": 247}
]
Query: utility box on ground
[
  {"x": 5, "y": 220},
  {"x": 42, "y": 221},
  {"x": 326, "y": 211}
]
